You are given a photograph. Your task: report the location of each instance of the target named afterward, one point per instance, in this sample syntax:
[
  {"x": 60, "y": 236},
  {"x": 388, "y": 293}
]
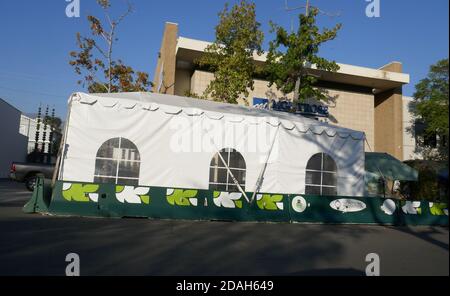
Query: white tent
[{"x": 170, "y": 141}]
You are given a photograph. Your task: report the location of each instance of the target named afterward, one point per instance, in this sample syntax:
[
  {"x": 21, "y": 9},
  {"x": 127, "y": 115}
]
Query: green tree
[
  {"x": 291, "y": 54},
  {"x": 94, "y": 58},
  {"x": 430, "y": 107},
  {"x": 230, "y": 57}
]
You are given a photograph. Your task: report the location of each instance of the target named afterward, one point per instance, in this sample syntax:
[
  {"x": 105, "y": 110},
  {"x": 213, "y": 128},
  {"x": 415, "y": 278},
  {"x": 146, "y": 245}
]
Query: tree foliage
[
  {"x": 53, "y": 122},
  {"x": 427, "y": 187},
  {"x": 291, "y": 54},
  {"x": 430, "y": 107},
  {"x": 94, "y": 59},
  {"x": 230, "y": 57}
]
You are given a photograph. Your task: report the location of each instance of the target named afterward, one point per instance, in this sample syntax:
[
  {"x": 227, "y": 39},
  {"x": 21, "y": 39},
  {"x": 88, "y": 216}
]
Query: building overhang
[{"x": 188, "y": 50}]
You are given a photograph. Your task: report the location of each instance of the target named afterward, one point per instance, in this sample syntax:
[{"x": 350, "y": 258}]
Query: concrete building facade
[
  {"x": 364, "y": 99},
  {"x": 14, "y": 146}
]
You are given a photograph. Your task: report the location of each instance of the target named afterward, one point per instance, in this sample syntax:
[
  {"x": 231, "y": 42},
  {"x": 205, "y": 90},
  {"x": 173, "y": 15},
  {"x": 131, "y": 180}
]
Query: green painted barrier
[
  {"x": 40, "y": 200},
  {"x": 424, "y": 213},
  {"x": 344, "y": 209},
  {"x": 110, "y": 200}
]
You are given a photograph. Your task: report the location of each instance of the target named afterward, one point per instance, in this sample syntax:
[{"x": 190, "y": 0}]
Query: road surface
[{"x": 33, "y": 244}]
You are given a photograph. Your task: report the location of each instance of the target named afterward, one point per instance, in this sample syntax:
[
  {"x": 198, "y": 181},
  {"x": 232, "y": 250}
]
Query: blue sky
[{"x": 36, "y": 37}]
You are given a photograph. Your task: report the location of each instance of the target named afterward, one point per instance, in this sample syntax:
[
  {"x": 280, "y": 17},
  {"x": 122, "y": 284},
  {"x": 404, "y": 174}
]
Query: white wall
[
  {"x": 28, "y": 128},
  {"x": 14, "y": 146},
  {"x": 409, "y": 142}
]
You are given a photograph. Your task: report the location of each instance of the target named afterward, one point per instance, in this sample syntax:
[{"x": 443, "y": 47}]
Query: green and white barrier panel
[{"x": 110, "y": 200}]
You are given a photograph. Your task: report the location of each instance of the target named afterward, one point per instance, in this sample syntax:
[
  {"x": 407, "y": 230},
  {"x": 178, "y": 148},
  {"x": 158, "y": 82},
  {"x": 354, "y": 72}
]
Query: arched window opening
[
  {"x": 219, "y": 178},
  {"x": 117, "y": 161},
  {"x": 321, "y": 175}
]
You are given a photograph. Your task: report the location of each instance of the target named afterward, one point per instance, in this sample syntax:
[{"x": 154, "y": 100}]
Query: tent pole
[
  {"x": 232, "y": 176},
  {"x": 261, "y": 175},
  {"x": 62, "y": 146}
]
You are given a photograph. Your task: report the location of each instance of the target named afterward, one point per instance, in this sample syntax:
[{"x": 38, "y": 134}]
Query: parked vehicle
[{"x": 27, "y": 172}]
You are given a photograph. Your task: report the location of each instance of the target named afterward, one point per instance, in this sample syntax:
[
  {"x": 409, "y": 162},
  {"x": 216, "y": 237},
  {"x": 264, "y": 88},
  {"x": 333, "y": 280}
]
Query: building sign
[
  {"x": 287, "y": 106},
  {"x": 312, "y": 109},
  {"x": 260, "y": 103}
]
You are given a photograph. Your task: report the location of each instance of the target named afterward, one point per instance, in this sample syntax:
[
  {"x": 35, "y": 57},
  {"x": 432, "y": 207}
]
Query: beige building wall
[
  {"x": 164, "y": 80},
  {"x": 388, "y": 118},
  {"x": 389, "y": 123},
  {"x": 261, "y": 89},
  {"x": 348, "y": 109},
  {"x": 201, "y": 79},
  {"x": 354, "y": 111},
  {"x": 182, "y": 82}
]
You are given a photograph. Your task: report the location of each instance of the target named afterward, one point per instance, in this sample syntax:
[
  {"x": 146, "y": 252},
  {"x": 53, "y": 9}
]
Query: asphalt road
[{"x": 33, "y": 244}]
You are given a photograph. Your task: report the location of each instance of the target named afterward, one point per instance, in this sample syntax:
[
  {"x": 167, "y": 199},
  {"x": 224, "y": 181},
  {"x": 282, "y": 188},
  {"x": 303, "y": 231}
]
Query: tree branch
[
  {"x": 94, "y": 77},
  {"x": 102, "y": 52},
  {"x": 129, "y": 10}
]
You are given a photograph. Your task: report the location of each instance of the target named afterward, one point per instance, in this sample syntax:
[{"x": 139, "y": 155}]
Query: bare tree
[{"x": 100, "y": 62}]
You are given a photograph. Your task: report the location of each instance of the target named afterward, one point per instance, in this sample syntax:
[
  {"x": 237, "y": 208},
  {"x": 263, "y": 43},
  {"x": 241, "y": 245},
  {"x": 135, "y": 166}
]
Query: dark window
[
  {"x": 117, "y": 161},
  {"x": 313, "y": 190},
  {"x": 219, "y": 178},
  {"x": 329, "y": 191},
  {"x": 321, "y": 175}
]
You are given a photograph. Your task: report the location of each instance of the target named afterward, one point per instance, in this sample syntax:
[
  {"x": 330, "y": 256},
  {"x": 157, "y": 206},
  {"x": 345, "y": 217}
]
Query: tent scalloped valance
[
  {"x": 174, "y": 110},
  {"x": 214, "y": 115},
  {"x": 108, "y": 104},
  {"x": 193, "y": 111},
  {"x": 150, "y": 106},
  {"x": 289, "y": 125},
  {"x": 190, "y": 111},
  {"x": 130, "y": 105}
]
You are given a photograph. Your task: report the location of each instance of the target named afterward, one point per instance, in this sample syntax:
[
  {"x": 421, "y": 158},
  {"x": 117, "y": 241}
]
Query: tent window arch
[
  {"x": 321, "y": 175},
  {"x": 219, "y": 178},
  {"x": 117, "y": 161}
]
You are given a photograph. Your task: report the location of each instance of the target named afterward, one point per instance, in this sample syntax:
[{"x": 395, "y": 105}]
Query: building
[
  {"x": 14, "y": 146},
  {"x": 28, "y": 127},
  {"x": 364, "y": 99}
]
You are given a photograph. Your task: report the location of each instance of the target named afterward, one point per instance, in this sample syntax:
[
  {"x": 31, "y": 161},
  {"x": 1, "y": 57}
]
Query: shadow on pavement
[
  {"x": 426, "y": 233},
  {"x": 38, "y": 245}
]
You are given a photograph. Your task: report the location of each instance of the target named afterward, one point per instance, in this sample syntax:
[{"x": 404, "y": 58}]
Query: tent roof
[
  {"x": 390, "y": 167},
  {"x": 215, "y": 110}
]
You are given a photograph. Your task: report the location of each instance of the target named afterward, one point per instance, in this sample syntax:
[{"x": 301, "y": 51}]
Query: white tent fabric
[{"x": 178, "y": 136}]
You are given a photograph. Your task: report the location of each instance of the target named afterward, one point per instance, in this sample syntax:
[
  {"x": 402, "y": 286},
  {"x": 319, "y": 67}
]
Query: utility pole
[
  {"x": 38, "y": 126},
  {"x": 50, "y": 138}
]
